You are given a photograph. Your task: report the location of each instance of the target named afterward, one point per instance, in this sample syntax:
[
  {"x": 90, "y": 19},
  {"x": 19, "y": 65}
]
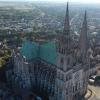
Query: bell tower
[
  {"x": 83, "y": 41},
  {"x": 64, "y": 46},
  {"x": 64, "y": 62}
]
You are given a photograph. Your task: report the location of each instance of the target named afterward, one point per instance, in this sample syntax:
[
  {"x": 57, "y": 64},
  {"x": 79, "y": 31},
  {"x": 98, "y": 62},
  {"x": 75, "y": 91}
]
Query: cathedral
[{"x": 54, "y": 70}]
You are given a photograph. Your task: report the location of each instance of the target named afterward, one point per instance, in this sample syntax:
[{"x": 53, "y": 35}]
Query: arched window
[
  {"x": 68, "y": 61},
  {"x": 62, "y": 60},
  {"x": 62, "y": 50},
  {"x": 62, "y": 76},
  {"x": 58, "y": 74},
  {"x": 67, "y": 91}
]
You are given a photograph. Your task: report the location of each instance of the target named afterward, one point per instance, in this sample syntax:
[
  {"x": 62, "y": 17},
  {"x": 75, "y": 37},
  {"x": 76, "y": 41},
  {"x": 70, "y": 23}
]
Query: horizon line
[{"x": 93, "y": 3}]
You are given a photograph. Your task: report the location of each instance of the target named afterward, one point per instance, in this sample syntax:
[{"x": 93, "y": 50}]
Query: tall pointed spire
[
  {"x": 83, "y": 38},
  {"x": 66, "y": 23},
  {"x": 65, "y": 38}
]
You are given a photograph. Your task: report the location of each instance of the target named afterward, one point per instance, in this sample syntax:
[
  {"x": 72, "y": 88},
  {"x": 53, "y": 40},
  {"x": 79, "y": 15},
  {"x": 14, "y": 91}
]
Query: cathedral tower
[
  {"x": 64, "y": 62},
  {"x": 83, "y": 41}
]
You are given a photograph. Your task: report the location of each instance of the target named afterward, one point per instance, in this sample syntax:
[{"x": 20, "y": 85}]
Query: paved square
[{"x": 96, "y": 92}]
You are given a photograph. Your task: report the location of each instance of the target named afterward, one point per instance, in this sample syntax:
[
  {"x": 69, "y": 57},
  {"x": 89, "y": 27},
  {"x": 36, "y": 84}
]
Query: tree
[{"x": 97, "y": 80}]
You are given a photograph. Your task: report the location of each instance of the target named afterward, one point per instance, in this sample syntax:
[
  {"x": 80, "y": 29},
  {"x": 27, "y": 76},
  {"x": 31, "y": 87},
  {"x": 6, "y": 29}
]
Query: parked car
[
  {"x": 91, "y": 81},
  {"x": 93, "y": 77}
]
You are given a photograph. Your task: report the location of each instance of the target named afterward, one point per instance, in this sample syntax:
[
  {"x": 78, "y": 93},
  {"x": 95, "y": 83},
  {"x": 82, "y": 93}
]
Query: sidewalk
[{"x": 88, "y": 94}]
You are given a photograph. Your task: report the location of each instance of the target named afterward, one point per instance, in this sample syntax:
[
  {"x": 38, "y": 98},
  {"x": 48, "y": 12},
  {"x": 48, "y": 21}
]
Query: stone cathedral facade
[{"x": 57, "y": 70}]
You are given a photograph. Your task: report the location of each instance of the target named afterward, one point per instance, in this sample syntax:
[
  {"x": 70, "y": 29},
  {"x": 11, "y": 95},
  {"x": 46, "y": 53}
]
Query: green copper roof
[
  {"x": 46, "y": 51},
  {"x": 29, "y": 50}
]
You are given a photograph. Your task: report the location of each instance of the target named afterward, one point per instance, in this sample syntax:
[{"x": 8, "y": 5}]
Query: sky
[{"x": 80, "y": 1}]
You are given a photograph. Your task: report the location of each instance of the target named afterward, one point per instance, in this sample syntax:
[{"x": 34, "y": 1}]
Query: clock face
[{"x": 77, "y": 76}]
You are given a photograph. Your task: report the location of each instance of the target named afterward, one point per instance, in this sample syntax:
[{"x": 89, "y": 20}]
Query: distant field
[{"x": 16, "y": 5}]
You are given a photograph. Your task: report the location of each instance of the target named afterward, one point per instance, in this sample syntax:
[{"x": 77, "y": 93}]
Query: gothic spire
[
  {"x": 65, "y": 38},
  {"x": 83, "y": 38},
  {"x": 66, "y": 23}
]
